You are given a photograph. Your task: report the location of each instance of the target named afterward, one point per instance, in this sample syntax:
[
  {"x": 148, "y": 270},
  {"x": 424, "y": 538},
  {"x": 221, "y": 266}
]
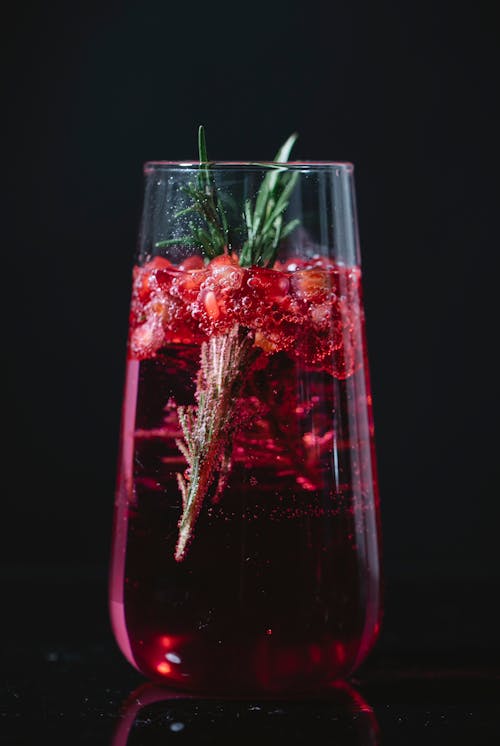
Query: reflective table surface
[
  {"x": 90, "y": 695},
  {"x": 434, "y": 678}
]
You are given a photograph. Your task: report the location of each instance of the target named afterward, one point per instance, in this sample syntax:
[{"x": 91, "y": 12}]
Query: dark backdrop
[{"x": 408, "y": 92}]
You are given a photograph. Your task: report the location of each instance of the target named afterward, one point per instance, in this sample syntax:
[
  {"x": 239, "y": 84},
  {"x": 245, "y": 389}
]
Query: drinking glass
[{"x": 246, "y": 537}]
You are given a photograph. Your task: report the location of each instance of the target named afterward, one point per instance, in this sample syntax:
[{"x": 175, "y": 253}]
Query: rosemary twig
[
  {"x": 264, "y": 221},
  {"x": 207, "y": 427},
  {"x": 213, "y": 235}
]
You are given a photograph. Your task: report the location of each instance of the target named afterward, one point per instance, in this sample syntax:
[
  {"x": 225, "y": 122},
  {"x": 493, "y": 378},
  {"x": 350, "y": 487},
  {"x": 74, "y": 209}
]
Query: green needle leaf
[
  {"x": 263, "y": 221},
  {"x": 202, "y": 144},
  {"x": 225, "y": 359}
]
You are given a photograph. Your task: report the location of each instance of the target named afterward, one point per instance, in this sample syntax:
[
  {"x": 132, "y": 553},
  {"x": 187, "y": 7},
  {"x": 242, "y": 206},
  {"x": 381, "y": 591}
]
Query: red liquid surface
[{"x": 279, "y": 590}]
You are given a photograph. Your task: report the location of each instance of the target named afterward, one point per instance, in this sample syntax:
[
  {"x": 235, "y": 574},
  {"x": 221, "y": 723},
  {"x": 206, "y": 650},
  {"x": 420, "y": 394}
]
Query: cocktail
[{"x": 246, "y": 534}]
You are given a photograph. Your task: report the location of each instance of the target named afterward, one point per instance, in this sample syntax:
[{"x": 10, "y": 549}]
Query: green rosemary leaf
[
  {"x": 202, "y": 144},
  {"x": 261, "y": 203},
  {"x": 183, "y": 448},
  {"x": 265, "y": 224},
  {"x": 205, "y": 241},
  {"x": 283, "y": 153},
  {"x": 289, "y": 227},
  {"x": 204, "y": 179},
  {"x": 248, "y": 217},
  {"x": 185, "y": 211},
  {"x": 225, "y": 225},
  {"x": 247, "y": 252},
  {"x": 192, "y": 192},
  {"x": 281, "y": 203},
  {"x": 281, "y": 156},
  {"x": 277, "y": 239},
  {"x": 262, "y": 222},
  {"x": 173, "y": 241}
]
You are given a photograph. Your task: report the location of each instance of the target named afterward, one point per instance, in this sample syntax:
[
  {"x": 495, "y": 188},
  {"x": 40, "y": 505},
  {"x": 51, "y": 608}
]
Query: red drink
[{"x": 277, "y": 586}]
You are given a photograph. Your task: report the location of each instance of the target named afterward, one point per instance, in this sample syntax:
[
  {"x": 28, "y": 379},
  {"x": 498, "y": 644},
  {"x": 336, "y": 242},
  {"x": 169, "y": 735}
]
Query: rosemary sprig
[
  {"x": 208, "y": 427},
  {"x": 225, "y": 360},
  {"x": 214, "y": 238},
  {"x": 264, "y": 221}
]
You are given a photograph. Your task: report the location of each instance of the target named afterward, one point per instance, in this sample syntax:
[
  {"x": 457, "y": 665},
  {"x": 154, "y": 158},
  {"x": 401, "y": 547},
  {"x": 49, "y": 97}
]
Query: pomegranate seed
[
  {"x": 303, "y": 307},
  {"x": 147, "y": 278},
  {"x": 192, "y": 262},
  {"x": 224, "y": 260},
  {"x": 158, "y": 262},
  {"x": 311, "y": 284},
  {"x": 268, "y": 283},
  {"x": 211, "y": 305},
  {"x": 264, "y": 343},
  {"x": 146, "y": 339},
  {"x": 190, "y": 283}
]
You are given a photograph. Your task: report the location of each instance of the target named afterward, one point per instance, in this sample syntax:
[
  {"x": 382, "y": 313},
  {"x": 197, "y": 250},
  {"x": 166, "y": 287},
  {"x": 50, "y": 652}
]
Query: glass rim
[{"x": 301, "y": 166}]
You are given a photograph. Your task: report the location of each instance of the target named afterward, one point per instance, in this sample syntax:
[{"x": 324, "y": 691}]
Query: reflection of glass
[
  {"x": 245, "y": 549},
  {"x": 341, "y": 717}
]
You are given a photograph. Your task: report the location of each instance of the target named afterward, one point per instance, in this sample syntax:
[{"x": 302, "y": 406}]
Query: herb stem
[{"x": 208, "y": 427}]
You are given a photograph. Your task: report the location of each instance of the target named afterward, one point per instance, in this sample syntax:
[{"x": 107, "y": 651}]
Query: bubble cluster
[{"x": 310, "y": 310}]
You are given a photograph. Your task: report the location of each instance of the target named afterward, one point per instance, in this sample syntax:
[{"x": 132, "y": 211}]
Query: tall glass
[{"x": 245, "y": 552}]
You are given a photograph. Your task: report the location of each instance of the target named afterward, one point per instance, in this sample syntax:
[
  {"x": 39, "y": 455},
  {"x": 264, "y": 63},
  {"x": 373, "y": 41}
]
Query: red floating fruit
[
  {"x": 189, "y": 283},
  {"x": 211, "y": 305},
  {"x": 312, "y": 284},
  {"x": 146, "y": 339},
  {"x": 264, "y": 343},
  {"x": 147, "y": 277},
  {"x": 227, "y": 276},
  {"x": 192, "y": 262},
  {"x": 268, "y": 283},
  {"x": 224, "y": 260},
  {"x": 308, "y": 313}
]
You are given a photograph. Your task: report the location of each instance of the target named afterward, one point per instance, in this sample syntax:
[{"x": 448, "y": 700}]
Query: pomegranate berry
[{"x": 310, "y": 309}]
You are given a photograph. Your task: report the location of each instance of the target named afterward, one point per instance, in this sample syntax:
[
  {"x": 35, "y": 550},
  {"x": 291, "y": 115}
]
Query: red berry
[
  {"x": 312, "y": 285},
  {"x": 192, "y": 262},
  {"x": 211, "y": 305},
  {"x": 268, "y": 284},
  {"x": 223, "y": 260},
  {"x": 146, "y": 277},
  {"x": 159, "y": 262},
  {"x": 188, "y": 284}
]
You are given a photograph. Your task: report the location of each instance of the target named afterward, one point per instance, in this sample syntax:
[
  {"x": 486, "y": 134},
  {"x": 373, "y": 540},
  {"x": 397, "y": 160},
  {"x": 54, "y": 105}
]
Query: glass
[{"x": 245, "y": 553}]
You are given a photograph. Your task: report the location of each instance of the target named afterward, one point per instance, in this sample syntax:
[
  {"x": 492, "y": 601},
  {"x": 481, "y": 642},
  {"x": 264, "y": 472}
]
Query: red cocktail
[{"x": 277, "y": 585}]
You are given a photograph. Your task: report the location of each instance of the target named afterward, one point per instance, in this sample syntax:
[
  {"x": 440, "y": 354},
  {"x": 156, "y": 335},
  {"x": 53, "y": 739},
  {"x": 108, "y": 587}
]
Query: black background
[{"x": 408, "y": 92}]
